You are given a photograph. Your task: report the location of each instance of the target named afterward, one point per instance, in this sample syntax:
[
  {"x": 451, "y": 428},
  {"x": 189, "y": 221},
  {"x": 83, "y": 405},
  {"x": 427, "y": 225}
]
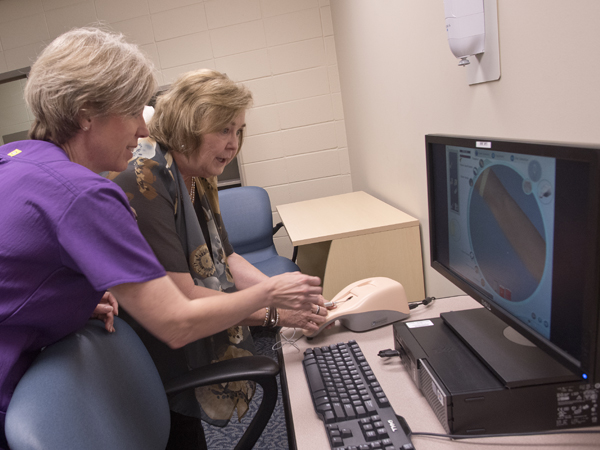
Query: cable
[
  {"x": 476, "y": 436},
  {"x": 451, "y": 296},
  {"x": 425, "y": 302},
  {"x": 284, "y": 340},
  {"x": 388, "y": 353}
]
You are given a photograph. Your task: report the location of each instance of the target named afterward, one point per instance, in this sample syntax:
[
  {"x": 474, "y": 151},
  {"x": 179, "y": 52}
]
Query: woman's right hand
[{"x": 294, "y": 290}]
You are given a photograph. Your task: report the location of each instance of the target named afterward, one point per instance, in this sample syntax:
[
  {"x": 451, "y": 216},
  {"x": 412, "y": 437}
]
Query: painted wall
[
  {"x": 283, "y": 50},
  {"x": 399, "y": 82}
]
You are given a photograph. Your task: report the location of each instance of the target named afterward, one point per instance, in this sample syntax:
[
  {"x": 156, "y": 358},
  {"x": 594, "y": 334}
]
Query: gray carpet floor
[{"x": 274, "y": 437}]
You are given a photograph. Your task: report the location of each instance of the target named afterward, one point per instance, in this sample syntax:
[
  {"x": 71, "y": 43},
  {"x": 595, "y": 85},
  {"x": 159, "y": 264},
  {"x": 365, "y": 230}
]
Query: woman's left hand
[
  {"x": 106, "y": 311},
  {"x": 307, "y": 320}
]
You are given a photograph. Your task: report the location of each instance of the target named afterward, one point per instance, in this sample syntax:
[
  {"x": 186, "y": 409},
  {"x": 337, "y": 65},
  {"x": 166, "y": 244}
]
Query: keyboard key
[
  {"x": 370, "y": 407},
  {"x": 324, "y": 409},
  {"x": 383, "y": 401},
  {"x": 381, "y": 433},
  {"x": 328, "y": 417},
  {"x": 321, "y": 400},
  {"x": 338, "y": 410},
  {"x": 371, "y": 436},
  {"x": 346, "y": 433},
  {"x": 319, "y": 394},
  {"x": 349, "y": 410},
  {"x": 314, "y": 378}
]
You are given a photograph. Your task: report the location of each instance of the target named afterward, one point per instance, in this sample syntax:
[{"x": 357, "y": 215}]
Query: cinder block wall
[{"x": 283, "y": 50}]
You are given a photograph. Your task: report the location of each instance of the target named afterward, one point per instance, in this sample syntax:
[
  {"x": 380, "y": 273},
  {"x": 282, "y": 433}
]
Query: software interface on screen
[{"x": 501, "y": 210}]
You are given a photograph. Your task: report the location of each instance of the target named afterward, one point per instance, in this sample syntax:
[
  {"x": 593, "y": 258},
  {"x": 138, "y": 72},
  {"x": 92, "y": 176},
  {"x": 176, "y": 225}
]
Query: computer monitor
[{"x": 516, "y": 226}]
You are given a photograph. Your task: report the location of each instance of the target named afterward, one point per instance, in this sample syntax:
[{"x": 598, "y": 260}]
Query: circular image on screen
[{"x": 506, "y": 230}]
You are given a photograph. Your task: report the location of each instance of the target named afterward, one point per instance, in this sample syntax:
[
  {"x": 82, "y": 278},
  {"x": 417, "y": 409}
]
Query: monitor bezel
[{"x": 589, "y": 364}]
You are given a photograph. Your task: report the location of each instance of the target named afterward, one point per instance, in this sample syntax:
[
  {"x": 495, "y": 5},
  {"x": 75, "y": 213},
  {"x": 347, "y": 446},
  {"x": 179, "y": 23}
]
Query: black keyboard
[{"x": 351, "y": 403}]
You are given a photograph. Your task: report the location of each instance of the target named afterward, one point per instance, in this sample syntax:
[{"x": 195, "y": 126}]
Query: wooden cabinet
[{"x": 349, "y": 237}]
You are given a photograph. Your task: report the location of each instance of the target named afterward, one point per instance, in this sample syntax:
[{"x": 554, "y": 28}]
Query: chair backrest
[
  {"x": 248, "y": 218},
  {"x": 91, "y": 390},
  {"x": 246, "y": 213}
]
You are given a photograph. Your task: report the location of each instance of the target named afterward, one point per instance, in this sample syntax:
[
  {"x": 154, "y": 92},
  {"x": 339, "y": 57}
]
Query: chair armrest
[
  {"x": 260, "y": 369},
  {"x": 277, "y": 227},
  {"x": 253, "y": 368}
]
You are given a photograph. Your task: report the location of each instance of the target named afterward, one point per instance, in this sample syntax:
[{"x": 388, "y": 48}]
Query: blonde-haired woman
[
  {"x": 196, "y": 130},
  {"x": 69, "y": 235}
]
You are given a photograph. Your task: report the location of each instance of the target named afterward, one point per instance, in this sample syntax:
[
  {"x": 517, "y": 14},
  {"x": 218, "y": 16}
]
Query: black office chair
[
  {"x": 96, "y": 390},
  {"x": 246, "y": 213}
]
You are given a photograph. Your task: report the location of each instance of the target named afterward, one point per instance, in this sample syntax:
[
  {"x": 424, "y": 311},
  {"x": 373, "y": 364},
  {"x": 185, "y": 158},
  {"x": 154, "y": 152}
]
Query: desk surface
[
  {"x": 340, "y": 216},
  {"x": 401, "y": 391}
]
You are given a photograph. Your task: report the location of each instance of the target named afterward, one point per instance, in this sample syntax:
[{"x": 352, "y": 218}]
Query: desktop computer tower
[{"x": 532, "y": 393}]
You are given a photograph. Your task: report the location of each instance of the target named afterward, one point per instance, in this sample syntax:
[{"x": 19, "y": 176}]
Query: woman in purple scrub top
[{"x": 69, "y": 239}]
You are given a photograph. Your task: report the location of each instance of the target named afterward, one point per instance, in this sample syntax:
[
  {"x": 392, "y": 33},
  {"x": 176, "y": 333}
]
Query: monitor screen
[{"x": 516, "y": 226}]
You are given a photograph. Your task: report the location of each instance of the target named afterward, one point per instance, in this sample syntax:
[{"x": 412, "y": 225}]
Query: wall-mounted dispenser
[
  {"x": 465, "y": 25},
  {"x": 472, "y": 30}
]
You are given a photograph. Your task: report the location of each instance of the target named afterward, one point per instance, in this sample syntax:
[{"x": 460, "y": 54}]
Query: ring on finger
[{"x": 318, "y": 309}]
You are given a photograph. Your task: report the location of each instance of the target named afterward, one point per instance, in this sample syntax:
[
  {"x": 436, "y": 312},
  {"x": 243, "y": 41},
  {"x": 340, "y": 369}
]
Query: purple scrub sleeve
[{"x": 66, "y": 235}]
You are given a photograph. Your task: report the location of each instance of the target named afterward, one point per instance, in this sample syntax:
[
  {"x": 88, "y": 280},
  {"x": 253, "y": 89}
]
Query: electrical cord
[
  {"x": 388, "y": 353},
  {"x": 425, "y": 302},
  {"x": 477, "y": 436}
]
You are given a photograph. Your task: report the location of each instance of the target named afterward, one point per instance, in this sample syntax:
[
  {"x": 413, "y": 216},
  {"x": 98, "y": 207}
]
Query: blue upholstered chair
[
  {"x": 96, "y": 390},
  {"x": 248, "y": 219}
]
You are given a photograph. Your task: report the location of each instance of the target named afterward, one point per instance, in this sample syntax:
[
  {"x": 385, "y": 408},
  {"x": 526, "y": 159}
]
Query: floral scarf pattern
[{"x": 155, "y": 174}]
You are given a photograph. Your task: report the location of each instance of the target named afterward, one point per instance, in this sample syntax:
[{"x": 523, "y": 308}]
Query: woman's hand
[
  {"x": 306, "y": 319},
  {"x": 106, "y": 311},
  {"x": 294, "y": 291}
]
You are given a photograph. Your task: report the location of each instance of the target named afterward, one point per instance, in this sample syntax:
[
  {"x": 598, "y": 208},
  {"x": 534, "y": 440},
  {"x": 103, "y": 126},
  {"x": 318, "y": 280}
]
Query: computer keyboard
[{"x": 350, "y": 402}]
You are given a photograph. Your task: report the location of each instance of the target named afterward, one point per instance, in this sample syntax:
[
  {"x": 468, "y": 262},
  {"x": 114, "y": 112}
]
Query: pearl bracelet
[
  {"x": 272, "y": 318},
  {"x": 274, "y": 324},
  {"x": 268, "y": 313}
]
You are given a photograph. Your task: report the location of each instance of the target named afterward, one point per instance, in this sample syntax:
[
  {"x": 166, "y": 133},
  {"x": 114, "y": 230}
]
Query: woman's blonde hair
[
  {"x": 86, "y": 71},
  {"x": 199, "y": 102}
]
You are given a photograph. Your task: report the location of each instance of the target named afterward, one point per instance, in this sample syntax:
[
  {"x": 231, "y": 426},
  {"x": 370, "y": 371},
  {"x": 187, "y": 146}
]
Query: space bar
[{"x": 313, "y": 374}]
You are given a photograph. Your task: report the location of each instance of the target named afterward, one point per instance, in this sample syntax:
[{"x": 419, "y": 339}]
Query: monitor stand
[{"x": 517, "y": 364}]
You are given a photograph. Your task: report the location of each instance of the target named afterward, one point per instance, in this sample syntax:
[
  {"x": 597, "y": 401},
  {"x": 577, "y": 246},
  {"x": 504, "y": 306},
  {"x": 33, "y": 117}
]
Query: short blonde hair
[
  {"x": 198, "y": 102},
  {"x": 86, "y": 69}
]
